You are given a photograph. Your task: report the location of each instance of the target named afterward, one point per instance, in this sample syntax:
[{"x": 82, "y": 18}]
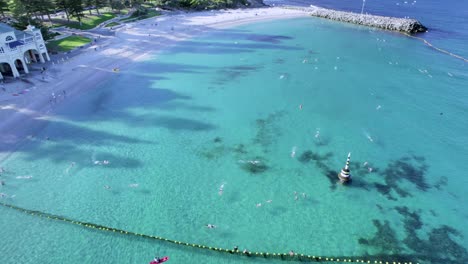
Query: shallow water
[{"x": 179, "y": 125}]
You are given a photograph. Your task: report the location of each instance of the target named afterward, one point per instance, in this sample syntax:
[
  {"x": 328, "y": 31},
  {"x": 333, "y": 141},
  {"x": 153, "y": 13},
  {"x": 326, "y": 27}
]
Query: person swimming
[
  {"x": 24, "y": 177},
  {"x": 317, "y": 133},
  {"x": 293, "y": 152},
  {"x": 221, "y": 189},
  {"x": 210, "y": 226}
]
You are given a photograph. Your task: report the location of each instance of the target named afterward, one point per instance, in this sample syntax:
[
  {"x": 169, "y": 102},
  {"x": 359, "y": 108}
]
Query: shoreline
[{"x": 91, "y": 68}]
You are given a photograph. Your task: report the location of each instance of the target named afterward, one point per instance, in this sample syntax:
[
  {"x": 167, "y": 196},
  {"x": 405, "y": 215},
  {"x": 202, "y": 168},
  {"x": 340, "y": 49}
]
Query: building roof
[
  {"x": 15, "y": 44},
  {"x": 4, "y": 28},
  {"x": 21, "y": 34}
]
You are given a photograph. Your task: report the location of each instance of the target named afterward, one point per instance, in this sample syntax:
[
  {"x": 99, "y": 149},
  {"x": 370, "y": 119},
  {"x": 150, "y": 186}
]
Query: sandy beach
[{"x": 40, "y": 94}]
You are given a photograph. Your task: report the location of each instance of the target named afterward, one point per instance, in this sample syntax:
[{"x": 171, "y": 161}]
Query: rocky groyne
[{"x": 389, "y": 23}]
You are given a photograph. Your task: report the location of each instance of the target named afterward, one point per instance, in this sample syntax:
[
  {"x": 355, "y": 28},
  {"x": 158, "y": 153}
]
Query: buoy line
[{"x": 279, "y": 256}]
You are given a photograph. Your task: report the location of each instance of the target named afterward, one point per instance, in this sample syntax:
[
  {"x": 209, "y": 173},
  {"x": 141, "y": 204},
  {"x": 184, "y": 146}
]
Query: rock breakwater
[{"x": 389, "y": 23}]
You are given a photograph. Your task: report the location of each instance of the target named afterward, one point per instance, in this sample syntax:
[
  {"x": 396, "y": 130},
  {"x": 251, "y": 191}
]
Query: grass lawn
[
  {"x": 67, "y": 43},
  {"x": 88, "y": 22},
  {"x": 112, "y": 24}
]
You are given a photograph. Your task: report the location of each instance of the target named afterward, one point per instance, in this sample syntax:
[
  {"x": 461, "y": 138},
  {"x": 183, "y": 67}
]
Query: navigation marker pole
[{"x": 344, "y": 175}]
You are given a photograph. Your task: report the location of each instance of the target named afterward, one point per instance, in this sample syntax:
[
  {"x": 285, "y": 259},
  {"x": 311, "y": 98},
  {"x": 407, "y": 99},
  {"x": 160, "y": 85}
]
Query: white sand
[{"x": 132, "y": 42}]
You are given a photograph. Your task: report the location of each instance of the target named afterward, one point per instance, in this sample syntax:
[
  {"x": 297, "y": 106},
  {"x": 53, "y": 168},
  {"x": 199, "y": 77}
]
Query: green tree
[
  {"x": 44, "y": 7},
  {"x": 75, "y": 8},
  {"x": 89, "y": 4},
  {"x": 3, "y": 7},
  {"x": 117, "y": 5},
  {"x": 100, "y": 4},
  {"x": 63, "y": 5}
]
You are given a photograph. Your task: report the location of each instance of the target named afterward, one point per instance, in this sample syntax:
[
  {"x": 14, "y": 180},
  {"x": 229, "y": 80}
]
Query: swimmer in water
[
  {"x": 304, "y": 195},
  {"x": 368, "y": 137},
  {"x": 133, "y": 185},
  {"x": 210, "y": 226},
  {"x": 281, "y": 76},
  {"x": 378, "y": 107},
  {"x": 300, "y": 107},
  {"x": 221, "y": 189},
  {"x": 71, "y": 166},
  {"x": 317, "y": 133},
  {"x": 107, "y": 187},
  {"x": 105, "y": 162},
  {"x": 293, "y": 152},
  {"x": 254, "y": 162},
  {"x": 258, "y": 205},
  {"x": 370, "y": 169},
  {"x": 24, "y": 177},
  {"x": 365, "y": 164},
  {"x": 269, "y": 201}
]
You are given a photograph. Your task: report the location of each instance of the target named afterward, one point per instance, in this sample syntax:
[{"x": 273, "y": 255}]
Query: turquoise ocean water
[{"x": 184, "y": 122}]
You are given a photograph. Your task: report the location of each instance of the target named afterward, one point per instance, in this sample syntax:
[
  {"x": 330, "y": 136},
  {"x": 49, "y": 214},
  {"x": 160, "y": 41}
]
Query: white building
[{"x": 19, "y": 48}]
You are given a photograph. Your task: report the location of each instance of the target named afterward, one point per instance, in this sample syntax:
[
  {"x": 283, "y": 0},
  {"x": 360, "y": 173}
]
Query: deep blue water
[{"x": 447, "y": 20}]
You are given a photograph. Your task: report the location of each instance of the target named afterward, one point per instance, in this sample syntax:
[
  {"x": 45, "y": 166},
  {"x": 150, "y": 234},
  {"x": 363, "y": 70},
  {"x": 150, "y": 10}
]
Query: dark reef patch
[
  {"x": 239, "y": 149},
  {"x": 254, "y": 167},
  {"x": 412, "y": 219},
  {"x": 439, "y": 247},
  {"x": 385, "y": 239},
  {"x": 268, "y": 130},
  {"x": 441, "y": 183},
  {"x": 274, "y": 39},
  {"x": 233, "y": 73},
  {"x": 308, "y": 156},
  {"x": 410, "y": 168},
  {"x": 279, "y": 61}
]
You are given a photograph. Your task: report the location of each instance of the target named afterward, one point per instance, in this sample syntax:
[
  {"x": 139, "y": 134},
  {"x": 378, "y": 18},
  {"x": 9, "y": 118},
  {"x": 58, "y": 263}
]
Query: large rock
[{"x": 390, "y": 23}]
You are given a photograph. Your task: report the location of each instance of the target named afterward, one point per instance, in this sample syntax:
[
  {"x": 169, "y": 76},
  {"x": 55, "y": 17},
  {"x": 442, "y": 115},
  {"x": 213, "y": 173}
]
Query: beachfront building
[{"x": 19, "y": 48}]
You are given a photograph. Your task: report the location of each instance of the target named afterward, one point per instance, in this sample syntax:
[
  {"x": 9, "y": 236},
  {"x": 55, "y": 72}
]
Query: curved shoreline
[{"x": 132, "y": 43}]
